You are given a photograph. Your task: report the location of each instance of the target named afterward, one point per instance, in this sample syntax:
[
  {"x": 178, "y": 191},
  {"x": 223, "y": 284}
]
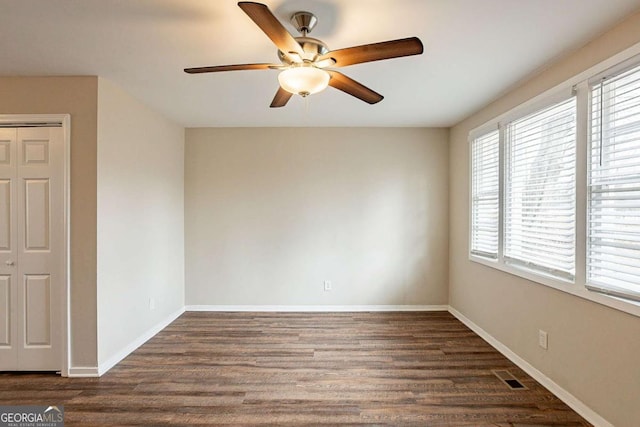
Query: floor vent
[{"x": 509, "y": 380}]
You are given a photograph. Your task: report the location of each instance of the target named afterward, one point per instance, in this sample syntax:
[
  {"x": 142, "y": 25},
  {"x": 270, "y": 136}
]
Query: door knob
[{"x": 9, "y": 262}]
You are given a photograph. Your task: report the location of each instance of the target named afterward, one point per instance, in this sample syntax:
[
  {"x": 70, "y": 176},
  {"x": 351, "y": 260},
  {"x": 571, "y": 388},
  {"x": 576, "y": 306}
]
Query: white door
[{"x": 31, "y": 248}]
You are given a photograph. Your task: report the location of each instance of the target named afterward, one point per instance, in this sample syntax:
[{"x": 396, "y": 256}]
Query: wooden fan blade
[
  {"x": 216, "y": 68},
  {"x": 262, "y": 16},
  {"x": 352, "y": 87},
  {"x": 375, "y": 51},
  {"x": 281, "y": 98}
]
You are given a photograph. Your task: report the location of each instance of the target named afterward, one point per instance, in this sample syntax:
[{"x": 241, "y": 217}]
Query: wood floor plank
[{"x": 349, "y": 369}]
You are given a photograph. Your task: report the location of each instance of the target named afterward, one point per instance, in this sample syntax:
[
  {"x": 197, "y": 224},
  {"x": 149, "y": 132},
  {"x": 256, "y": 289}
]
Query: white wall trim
[
  {"x": 316, "y": 308},
  {"x": 83, "y": 372},
  {"x": 66, "y": 300},
  {"x": 146, "y": 336},
  {"x": 562, "y": 394}
]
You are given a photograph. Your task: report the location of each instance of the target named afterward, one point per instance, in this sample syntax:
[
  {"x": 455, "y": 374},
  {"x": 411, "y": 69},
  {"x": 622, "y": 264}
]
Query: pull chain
[{"x": 306, "y": 110}]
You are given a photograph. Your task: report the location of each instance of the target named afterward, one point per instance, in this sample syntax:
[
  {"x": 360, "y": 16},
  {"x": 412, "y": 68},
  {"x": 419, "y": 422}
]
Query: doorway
[{"x": 33, "y": 244}]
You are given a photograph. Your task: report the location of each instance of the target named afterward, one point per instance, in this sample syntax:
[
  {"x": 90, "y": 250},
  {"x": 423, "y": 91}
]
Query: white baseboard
[
  {"x": 116, "y": 358},
  {"x": 316, "y": 308},
  {"x": 562, "y": 394},
  {"x": 83, "y": 371}
]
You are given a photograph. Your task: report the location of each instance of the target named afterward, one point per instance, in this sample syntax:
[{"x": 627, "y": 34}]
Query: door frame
[{"x": 63, "y": 120}]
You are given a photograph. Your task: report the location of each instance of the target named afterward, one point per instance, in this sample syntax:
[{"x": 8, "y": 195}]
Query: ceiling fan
[{"x": 306, "y": 61}]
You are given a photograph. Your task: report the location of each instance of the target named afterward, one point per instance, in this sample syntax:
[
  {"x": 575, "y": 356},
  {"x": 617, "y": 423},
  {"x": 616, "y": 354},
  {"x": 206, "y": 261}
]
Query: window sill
[{"x": 621, "y": 304}]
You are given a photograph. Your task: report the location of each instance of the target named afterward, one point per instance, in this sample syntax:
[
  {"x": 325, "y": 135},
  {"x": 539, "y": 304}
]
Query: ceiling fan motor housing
[{"x": 312, "y": 48}]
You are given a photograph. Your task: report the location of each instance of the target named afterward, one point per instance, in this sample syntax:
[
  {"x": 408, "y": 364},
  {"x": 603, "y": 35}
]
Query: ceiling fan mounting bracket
[{"x": 304, "y": 22}]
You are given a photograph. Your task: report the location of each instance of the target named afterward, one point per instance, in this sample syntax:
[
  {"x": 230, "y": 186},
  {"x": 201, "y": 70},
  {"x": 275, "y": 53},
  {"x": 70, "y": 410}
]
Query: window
[
  {"x": 555, "y": 190},
  {"x": 540, "y": 184},
  {"x": 533, "y": 185},
  {"x": 613, "y": 218},
  {"x": 485, "y": 193}
]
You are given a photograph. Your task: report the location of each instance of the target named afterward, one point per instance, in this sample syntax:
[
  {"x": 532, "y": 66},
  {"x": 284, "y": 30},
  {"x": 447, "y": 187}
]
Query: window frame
[
  {"x": 500, "y": 263},
  {"x": 471, "y": 195},
  {"x": 508, "y": 182},
  {"x": 579, "y": 86},
  {"x": 612, "y": 72}
]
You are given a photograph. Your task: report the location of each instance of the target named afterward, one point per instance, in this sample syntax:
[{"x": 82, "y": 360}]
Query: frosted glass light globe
[{"x": 303, "y": 81}]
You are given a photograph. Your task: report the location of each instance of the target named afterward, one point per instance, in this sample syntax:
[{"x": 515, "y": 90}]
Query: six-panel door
[{"x": 31, "y": 245}]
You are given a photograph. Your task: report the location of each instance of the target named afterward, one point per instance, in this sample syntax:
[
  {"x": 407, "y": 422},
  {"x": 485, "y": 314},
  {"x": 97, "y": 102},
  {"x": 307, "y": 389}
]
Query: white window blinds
[
  {"x": 613, "y": 236},
  {"x": 540, "y": 184},
  {"x": 485, "y": 191}
]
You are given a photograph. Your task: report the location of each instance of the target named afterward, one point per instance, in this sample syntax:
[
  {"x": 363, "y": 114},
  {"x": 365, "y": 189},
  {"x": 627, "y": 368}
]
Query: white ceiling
[{"x": 474, "y": 51}]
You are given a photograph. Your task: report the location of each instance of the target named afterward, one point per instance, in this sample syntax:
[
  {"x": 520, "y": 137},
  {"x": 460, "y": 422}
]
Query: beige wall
[
  {"x": 593, "y": 350},
  {"x": 76, "y": 96},
  {"x": 140, "y": 219},
  {"x": 271, "y": 213}
]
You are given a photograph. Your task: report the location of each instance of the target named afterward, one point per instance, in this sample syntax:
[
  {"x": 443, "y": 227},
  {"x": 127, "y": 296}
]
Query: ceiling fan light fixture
[{"x": 305, "y": 80}]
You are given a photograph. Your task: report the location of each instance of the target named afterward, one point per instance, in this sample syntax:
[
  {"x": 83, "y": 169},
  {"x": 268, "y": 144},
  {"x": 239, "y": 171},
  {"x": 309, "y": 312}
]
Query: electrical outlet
[
  {"x": 152, "y": 304},
  {"x": 543, "y": 339},
  {"x": 327, "y": 285}
]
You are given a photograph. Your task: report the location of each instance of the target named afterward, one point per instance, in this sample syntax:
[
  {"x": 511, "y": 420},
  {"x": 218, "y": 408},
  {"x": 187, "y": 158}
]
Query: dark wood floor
[{"x": 419, "y": 369}]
